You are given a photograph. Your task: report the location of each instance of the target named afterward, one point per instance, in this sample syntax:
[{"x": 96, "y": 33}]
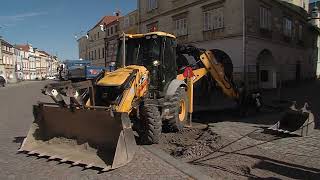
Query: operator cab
[{"x": 156, "y": 51}]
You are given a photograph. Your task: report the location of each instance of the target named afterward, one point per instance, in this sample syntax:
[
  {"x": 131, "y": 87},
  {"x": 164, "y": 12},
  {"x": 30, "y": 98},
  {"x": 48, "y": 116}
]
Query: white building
[{"x": 18, "y": 61}]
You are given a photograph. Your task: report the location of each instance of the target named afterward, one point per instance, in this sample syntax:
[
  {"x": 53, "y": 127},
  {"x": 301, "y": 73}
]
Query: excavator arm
[{"x": 209, "y": 65}]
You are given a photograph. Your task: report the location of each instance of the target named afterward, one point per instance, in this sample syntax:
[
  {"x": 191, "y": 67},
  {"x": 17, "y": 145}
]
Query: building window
[
  {"x": 265, "y": 18},
  {"x": 116, "y": 28},
  {"x": 95, "y": 54},
  {"x": 132, "y": 20},
  {"x": 99, "y": 53},
  {"x": 126, "y": 22},
  {"x": 111, "y": 30},
  {"x": 103, "y": 52},
  {"x": 98, "y": 35},
  {"x": 287, "y": 27},
  {"x": 213, "y": 19},
  {"x": 108, "y": 32},
  {"x": 181, "y": 27},
  {"x": 110, "y": 50},
  {"x": 152, "y": 4}
]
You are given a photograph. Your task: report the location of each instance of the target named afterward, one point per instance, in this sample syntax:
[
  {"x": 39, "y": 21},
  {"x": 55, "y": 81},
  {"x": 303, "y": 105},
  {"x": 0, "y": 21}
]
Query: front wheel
[
  {"x": 178, "y": 108},
  {"x": 151, "y": 124}
]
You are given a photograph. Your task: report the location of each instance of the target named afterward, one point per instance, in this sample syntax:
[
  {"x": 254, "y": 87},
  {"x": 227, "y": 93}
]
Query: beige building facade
[
  {"x": 129, "y": 23},
  {"x": 301, "y": 3},
  {"x": 8, "y": 61},
  {"x": 83, "y": 47},
  {"x": 94, "y": 45},
  {"x": 112, "y": 35},
  {"x": 274, "y": 47}
]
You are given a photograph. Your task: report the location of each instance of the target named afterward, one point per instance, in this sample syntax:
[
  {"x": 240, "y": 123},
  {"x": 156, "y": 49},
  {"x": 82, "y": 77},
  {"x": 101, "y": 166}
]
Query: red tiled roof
[
  {"x": 106, "y": 20},
  {"x": 23, "y": 47}
]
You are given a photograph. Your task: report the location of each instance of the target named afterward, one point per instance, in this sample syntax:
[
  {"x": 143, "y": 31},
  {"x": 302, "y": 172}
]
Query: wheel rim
[{"x": 182, "y": 110}]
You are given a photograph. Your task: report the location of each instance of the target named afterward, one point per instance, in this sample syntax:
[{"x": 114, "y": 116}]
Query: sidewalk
[
  {"x": 15, "y": 124},
  {"x": 22, "y": 83}
]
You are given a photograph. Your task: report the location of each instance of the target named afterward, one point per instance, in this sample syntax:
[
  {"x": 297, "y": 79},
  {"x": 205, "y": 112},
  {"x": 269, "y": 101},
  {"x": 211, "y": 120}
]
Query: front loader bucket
[
  {"x": 90, "y": 137},
  {"x": 296, "y": 122}
]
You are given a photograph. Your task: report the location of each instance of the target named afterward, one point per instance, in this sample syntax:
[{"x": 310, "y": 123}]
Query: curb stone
[{"x": 182, "y": 166}]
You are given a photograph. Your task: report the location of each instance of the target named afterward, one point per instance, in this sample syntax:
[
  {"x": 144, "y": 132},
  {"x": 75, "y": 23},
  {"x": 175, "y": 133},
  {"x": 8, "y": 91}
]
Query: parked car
[
  {"x": 80, "y": 70},
  {"x": 51, "y": 77},
  {"x": 2, "y": 81}
]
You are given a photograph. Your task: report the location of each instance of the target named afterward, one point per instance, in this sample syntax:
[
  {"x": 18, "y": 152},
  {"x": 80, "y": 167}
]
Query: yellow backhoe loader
[{"x": 91, "y": 123}]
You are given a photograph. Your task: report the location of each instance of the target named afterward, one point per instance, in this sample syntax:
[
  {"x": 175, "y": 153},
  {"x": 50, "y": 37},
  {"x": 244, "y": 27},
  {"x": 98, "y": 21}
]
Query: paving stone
[{"x": 16, "y": 117}]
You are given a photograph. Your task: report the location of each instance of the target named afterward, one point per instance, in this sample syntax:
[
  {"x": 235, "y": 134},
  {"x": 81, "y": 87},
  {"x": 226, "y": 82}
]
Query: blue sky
[{"x": 52, "y": 24}]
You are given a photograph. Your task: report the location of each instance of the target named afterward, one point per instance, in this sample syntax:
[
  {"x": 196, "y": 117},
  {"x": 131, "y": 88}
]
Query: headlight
[{"x": 156, "y": 63}]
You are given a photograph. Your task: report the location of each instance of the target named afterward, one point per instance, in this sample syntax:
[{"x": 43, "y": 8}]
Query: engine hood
[{"x": 118, "y": 77}]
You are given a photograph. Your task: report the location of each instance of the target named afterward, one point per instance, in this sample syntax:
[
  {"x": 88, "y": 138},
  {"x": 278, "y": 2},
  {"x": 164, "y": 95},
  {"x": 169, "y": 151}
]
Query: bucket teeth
[
  {"x": 64, "y": 160},
  {"x": 76, "y": 163},
  {"x": 53, "y": 157},
  {"x": 21, "y": 150},
  {"x": 32, "y": 152},
  {"x": 107, "y": 168},
  {"x": 42, "y": 154},
  {"x": 89, "y": 166}
]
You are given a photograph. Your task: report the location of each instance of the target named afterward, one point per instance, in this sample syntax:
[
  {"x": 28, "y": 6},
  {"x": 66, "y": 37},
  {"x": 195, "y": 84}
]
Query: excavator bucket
[
  {"x": 91, "y": 137},
  {"x": 296, "y": 122}
]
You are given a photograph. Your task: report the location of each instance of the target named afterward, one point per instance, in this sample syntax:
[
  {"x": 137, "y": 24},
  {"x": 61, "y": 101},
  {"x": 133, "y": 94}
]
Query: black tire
[
  {"x": 175, "y": 124},
  {"x": 151, "y": 123}
]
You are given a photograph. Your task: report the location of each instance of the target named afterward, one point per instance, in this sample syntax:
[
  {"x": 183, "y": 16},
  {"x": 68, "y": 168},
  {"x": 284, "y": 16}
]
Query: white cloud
[{"x": 11, "y": 20}]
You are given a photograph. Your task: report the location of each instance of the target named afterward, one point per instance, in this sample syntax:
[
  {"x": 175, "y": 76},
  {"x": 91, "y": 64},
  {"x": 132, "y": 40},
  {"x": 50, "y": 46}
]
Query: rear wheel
[
  {"x": 178, "y": 107},
  {"x": 151, "y": 123}
]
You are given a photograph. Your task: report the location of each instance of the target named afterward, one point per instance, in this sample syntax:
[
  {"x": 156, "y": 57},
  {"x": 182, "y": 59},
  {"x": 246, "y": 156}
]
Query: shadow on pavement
[
  {"x": 289, "y": 170},
  {"x": 18, "y": 139},
  {"x": 286, "y": 169},
  {"x": 232, "y": 115}
]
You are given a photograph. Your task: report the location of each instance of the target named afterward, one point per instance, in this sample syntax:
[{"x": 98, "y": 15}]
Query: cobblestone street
[
  {"x": 16, "y": 118},
  {"x": 246, "y": 152},
  {"x": 249, "y": 153}
]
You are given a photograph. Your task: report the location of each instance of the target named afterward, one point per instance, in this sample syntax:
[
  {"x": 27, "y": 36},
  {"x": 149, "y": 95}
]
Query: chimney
[{"x": 117, "y": 13}]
